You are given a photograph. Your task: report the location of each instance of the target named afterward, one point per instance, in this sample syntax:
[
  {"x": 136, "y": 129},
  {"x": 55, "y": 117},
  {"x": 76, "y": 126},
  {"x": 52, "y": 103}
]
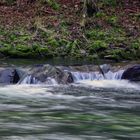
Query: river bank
[{"x": 46, "y": 31}]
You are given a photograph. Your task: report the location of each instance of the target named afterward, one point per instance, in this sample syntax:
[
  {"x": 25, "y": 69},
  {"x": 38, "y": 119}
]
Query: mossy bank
[{"x": 111, "y": 32}]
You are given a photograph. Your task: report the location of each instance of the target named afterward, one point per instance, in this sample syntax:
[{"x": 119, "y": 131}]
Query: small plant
[
  {"x": 51, "y": 3},
  {"x": 98, "y": 45},
  {"x": 96, "y": 34},
  {"x": 135, "y": 45},
  {"x": 53, "y": 43},
  {"x": 112, "y": 20},
  {"x": 100, "y": 15},
  {"x": 109, "y": 2}
]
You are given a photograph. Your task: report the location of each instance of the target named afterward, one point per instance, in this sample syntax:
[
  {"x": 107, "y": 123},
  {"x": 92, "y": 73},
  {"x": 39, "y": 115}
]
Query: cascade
[
  {"x": 29, "y": 80},
  {"x": 77, "y": 76},
  {"x": 32, "y": 80}
]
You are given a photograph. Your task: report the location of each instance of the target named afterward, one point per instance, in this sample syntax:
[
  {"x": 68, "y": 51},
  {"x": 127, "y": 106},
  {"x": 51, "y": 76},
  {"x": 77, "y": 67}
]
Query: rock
[
  {"x": 1, "y": 55},
  {"x": 132, "y": 73},
  {"x": 44, "y": 72},
  {"x": 9, "y": 76},
  {"x": 105, "y": 68}
]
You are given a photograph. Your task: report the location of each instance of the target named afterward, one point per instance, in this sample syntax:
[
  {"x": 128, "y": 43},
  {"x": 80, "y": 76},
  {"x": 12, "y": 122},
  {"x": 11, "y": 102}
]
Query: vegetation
[{"x": 64, "y": 28}]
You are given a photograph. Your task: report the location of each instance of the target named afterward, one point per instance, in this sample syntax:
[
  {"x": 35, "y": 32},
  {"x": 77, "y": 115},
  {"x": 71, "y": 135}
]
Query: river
[{"x": 85, "y": 110}]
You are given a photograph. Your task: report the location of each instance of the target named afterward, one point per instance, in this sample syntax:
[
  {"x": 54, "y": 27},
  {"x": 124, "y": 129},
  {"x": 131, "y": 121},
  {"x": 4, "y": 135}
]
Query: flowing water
[{"x": 92, "y": 108}]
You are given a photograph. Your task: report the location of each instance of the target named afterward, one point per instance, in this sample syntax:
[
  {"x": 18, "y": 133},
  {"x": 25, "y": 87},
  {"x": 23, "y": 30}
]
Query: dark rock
[
  {"x": 44, "y": 72},
  {"x": 70, "y": 78},
  {"x": 9, "y": 76},
  {"x": 1, "y": 55},
  {"x": 132, "y": 73}
]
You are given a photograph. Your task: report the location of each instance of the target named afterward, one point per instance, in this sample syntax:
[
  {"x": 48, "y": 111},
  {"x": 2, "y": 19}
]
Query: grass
[{"x": 60, "y": 34}]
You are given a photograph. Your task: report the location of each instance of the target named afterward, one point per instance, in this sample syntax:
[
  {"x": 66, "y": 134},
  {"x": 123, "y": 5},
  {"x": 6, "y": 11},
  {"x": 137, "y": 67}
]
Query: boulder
[
  {"x": 9, "y": 76},
  {"x": 132, "y": 73},
  {"x": 43, "y": 73}
]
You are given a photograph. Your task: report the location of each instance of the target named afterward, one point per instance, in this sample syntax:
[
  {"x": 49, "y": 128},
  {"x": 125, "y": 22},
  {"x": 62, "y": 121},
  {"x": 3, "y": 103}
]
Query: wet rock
[
  {"x": 43, "y": 72},
  {"x": 132, "y": 73},
  {"x": 105, "y": 68},
  {"x": 9, "y": 76}
]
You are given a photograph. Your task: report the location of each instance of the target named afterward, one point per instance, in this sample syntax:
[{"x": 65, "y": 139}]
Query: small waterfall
[
  {"x": 78, "y": 76},
  {"x": 51, "y": 81},
  {"x": 32, "y": 80}
]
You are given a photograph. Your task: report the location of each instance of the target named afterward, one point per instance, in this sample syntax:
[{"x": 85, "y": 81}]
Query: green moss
[
  {"x": 112, "y": 36},
  {"x": 121, "y": 54},
  {"x": 19, "y": 51},
  {"x": 9, "y": 2},
  {"x": 97, "y": 45},
  {"x": 63, "y": 42},
  {"x": 100, "y": 15},
  {"x": 52, "y": 3},
  {"x": 5, "y": 50},
  {"x": 109, "y": 2},
  {"x": 43, "y": 50},
  {"x": 53, "y": 43},
  {"x": 23, "y": 48},
  {"x": 135, "y": 44},
  {"x": 112, "y": 20},
  {"x": 96, "y": 34}
]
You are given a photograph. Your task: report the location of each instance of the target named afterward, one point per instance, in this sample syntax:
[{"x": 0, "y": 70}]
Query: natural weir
[
  {"x": 71, "y": 103},
  {"x": 77, "y": 76}
]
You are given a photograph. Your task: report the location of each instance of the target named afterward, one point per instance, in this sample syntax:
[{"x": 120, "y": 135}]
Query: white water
[
  {"x": 29, "y": 80},
  {"x": 117, "y": 84},
  {"x": 43, "y": 90},
  {"x": 78, "y": 76},
  {"x": 85, "y": 79},
  {"x": 109, "y": 80},
  {"x": 32, "y": 80},
  {"x": 71, "y": 112}
]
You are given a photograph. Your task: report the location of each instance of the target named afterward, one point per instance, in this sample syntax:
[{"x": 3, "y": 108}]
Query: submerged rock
[
  {"x": 9, "y": 76},
  {"x": 132, "y": 73}
]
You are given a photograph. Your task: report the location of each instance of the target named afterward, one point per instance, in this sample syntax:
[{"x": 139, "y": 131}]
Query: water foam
[
  {"x": 32, "y": 80},
  {"x": 78, "y": 76},
  {"x": 117, "y": 84}
]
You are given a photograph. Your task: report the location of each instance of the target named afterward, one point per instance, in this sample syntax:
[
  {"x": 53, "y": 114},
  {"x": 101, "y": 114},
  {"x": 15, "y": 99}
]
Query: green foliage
[
  {"x": 96, "y": 34},
  {"x": 114, "y": 35},
  {"x": 112, "y": 20},
  {"x": 100, "y": 15},
  {"x": 23, "y": 48},
  {"x": 53, "y": 42},
  {"x": 73, "y": 46},
  {"x": 9, "y": 2},
  {"x": 97, "y": 46},
  {"x": 109, "y": 2},
  {"x": 52, "y": 3},
  {"x": 135, "y": 44}
]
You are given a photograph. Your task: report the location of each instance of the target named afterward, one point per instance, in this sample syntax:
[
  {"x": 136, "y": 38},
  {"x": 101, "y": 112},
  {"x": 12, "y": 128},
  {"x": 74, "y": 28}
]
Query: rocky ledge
[{"x": 65, "y": 75}]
